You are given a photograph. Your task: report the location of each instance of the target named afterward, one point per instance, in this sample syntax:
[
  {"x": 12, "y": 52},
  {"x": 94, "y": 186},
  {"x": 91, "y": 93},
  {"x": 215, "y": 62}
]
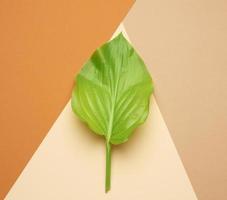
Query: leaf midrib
[{"x": 110, "y": 125}]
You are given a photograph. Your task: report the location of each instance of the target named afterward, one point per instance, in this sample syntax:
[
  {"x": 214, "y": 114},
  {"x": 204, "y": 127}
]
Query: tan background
[
  {"x": 42, "y": 45},
  {"x": 185, "y": 45}
]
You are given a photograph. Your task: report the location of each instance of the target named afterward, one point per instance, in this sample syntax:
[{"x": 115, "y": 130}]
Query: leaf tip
[{"x": 122, "y": 35}]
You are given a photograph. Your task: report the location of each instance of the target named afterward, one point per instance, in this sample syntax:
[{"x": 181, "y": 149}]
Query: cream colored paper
[{"x": 70, "y": 164}]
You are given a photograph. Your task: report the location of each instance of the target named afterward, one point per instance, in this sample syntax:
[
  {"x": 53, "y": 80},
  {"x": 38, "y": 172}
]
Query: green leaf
[{"x": 112, "y": 93}]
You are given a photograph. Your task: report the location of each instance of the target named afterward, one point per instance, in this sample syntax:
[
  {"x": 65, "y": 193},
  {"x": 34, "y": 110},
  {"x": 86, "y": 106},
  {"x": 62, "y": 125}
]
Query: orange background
[{"x": 43, "y": 44}]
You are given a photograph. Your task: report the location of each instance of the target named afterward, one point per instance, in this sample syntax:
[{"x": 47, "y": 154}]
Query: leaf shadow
[
  {"x": 135, "y": 142},
  {"x": 85, "y": 134}
]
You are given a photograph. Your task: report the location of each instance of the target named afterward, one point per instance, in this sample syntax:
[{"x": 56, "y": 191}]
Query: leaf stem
[{"x": 108, "y": 166}]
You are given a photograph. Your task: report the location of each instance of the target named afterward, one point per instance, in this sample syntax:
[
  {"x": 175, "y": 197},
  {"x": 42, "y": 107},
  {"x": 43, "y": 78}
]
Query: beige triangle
[{"x": 70, "y": 164}]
